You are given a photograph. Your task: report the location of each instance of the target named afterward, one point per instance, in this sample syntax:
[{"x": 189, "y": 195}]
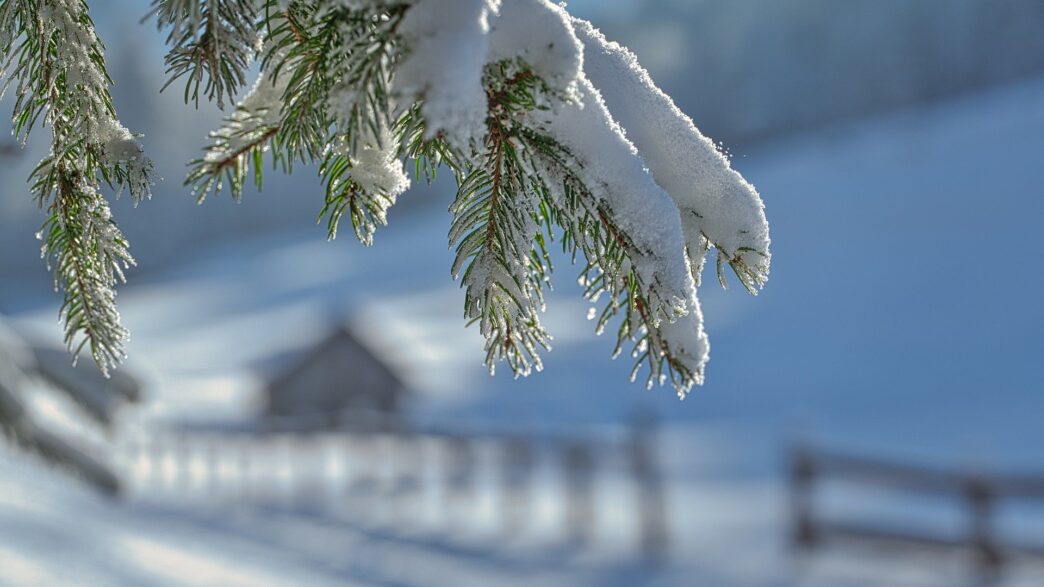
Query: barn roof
[{"x": 290, "y": 365}]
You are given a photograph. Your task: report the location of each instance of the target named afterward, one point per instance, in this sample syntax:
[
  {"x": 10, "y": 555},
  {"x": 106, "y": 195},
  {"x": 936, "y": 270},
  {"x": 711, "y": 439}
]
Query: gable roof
[{"x": 303, "y": 361}]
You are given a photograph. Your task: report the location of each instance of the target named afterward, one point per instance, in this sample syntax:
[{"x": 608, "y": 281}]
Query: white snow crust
[
  {"x": 714, "y": 200},
  {"x": 447, "y": 42}
]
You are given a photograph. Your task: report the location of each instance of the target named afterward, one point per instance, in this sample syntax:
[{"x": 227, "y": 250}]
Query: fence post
[
  {"x": 802, "y": 477},
  {"x": 244, "y": 470},
  {"x": 980, "y": 498},
  {"x": 212, "y": 466},
  {"x": 516, "y": 471},
  {"x": 184, "y": 470},
  {"x": 155, "y": 451},
  {"x": 654, "y": 536},
  {"x": 580, "y": 514},
  {"x": 460, "y": 471},
  {"x": 407, "y": 461},
  {"x": 306, "y": 477},
  {"x": 360, "y": 480}
]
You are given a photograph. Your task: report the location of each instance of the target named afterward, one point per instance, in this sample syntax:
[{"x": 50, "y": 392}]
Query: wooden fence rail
[
  {"x": 403, "y": 469},
  {"x": 979, "y": 495}
]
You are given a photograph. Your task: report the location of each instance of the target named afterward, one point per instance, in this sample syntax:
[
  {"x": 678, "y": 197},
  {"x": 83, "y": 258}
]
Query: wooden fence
[
  {"x": 409, "y": 471},
  {"x": 978, "y": 495}
]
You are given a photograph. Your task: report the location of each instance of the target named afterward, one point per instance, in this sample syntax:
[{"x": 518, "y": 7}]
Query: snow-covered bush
[{"x": 551, "y": 131}]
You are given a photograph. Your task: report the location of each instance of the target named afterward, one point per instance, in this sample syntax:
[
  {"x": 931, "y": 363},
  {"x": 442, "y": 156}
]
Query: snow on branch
[
  {"x": 241, "y": 141},
  {"x": 59, "y": 69},
  {"x": 652, "y": 282},
  {"x": 551, "y": 132},
  {"x": 716, "y": 203},
  {"x": 446, "y": 43}
]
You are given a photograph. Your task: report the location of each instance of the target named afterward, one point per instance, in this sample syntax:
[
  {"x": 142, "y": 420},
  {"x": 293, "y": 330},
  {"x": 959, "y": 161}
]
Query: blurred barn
[{"x": 338, "y": 382}]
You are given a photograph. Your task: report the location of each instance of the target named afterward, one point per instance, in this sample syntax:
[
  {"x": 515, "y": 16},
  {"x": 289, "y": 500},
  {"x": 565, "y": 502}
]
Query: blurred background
[{"x": 304, "y": 412}]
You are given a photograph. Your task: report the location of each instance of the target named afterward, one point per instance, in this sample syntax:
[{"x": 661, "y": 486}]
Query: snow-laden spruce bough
[{"x": 552, "y": 132}]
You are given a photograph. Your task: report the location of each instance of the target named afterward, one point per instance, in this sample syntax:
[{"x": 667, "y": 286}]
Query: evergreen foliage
[
  {"x": 51, "y": 53},
  {"x": 494, "y": 91}
]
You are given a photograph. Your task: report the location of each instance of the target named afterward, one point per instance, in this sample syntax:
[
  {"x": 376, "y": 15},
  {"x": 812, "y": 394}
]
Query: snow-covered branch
[
  {"x": 551, "y": 131},
  {"x": 716, "y": 203},
  {"x": 61, "y": 79}
]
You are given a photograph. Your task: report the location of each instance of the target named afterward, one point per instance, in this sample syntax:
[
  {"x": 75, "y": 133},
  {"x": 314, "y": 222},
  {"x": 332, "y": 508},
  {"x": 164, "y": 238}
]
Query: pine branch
[
  {"x": 588, "y": 227},
  {"x": 338, "y": 61},
  {"x": 367, "y": 205},
  {"x": 299, "y": 111},
  {"x": 235, "y": 150},
  {"x": 495, "y": 227},
  {"x": 61, "y": 80},
  {"x": 356, "y": 87},
  {"x": 89, "y": 255},
  {"x": 751, "y": 275},
  {"x": 213, "y": 43},
  {"x": 427, "y": 154},
  {"x": 18, "y": 425}
]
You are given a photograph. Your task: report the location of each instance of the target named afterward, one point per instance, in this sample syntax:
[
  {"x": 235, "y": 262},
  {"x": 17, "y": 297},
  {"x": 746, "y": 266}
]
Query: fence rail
[
  {"x": 978, "y": 493},
  {"x": 403, "y": 468}
]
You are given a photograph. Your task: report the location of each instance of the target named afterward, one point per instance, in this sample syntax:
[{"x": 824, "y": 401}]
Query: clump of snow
[
  {"x": 118, "y": 142},
  {"x": 667, "y": 188},
  {"x": 266, "y": 96},
  {"x": 716, "y": 202},
  {"x": 611, "y": 168},
  {"x": 447, "y": 42},
  {"x": 688, "y": 344},
  {"x": 258, "y": 111},
  {"x": 540, "y": 33},
  {"x": 87, "y": 86},
  {"x": 664, "y": 192},
  {"x": 122, "y": 148},
  {"x": 376, "y": 167}
]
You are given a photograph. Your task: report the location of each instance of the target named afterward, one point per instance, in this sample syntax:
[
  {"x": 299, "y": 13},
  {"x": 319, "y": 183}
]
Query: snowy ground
[{"x": 901, "y": 318}]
